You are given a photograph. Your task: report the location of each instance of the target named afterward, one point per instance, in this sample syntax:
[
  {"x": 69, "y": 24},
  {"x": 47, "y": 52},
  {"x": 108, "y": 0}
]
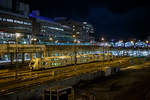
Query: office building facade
[
  {"x": 82, "y": 31},
  {"x": 47, "y": 30},
  {"x": 12, "y": 24}
]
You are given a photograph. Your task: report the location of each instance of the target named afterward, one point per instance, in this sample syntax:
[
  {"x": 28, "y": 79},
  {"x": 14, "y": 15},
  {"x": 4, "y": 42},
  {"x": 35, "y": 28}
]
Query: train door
[
  {"x": 69, "y": 60},
  {"x": 63, "y": 61},
  {"x": 79, "y": 59},
  {"x": 72, "y": 59}
]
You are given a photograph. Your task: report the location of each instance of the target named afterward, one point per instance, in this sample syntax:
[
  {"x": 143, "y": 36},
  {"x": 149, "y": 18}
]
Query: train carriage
[
  {"x": 50, "y": 62},
  {"x": 58, "y": 61}
]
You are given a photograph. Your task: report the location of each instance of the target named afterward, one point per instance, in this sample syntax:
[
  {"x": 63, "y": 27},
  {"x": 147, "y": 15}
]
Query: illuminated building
[
  {"x": 83, "y": 31},
  {"x": 45, "y": 28},
  {"x": 11, "y": 23},
  {"x": 14, "y": 19},
  {"x": 88, "y": 32}
]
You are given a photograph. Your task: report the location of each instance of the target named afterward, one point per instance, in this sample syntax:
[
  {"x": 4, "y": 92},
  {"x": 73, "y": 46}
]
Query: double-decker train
[{"x": 60, "y": 61}]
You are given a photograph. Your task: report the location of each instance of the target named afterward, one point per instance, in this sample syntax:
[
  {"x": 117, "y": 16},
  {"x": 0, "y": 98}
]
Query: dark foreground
[{"x": 129, "y": 84}]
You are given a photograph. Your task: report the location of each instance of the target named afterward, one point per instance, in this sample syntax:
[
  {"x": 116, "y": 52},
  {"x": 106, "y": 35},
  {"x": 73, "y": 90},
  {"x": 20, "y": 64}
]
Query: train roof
[{"x": 56, "y": 57}]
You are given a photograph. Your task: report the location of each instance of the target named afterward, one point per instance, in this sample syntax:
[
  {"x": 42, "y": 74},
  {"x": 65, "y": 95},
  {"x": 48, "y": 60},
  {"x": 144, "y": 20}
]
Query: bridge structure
[
  {"x": 10, "y": 52},
  {"x": 28, "y": 83}
]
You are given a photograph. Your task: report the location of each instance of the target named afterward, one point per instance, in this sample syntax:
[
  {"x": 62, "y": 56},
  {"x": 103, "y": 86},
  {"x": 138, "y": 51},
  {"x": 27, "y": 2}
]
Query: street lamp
[
  {"x": 78, "y": 41},
  {"x": 75, "y": 41},
  {"x": 102, "y": 39},
  {"x": 120, "y": 47},
  {"x": 74, "y": 36},
  {"x": 17, "y": 36},
  {"x": 147, "y": 45},
  {"x": 132, "y": 42},
  {"x": 33, "y": 41},
  {"x": 51, "y": 39},
  {"x": 75, "y": 53}
]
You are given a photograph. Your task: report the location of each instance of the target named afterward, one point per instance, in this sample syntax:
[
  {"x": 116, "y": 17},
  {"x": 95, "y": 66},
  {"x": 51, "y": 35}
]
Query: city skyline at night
[
  {"x": 112, "y": 19},
  {"x": 74, "y": 50}
]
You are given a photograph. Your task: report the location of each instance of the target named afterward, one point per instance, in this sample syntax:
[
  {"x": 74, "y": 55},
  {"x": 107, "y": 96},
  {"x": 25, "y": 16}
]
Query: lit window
[
  {"x": 55, "y": 64},
  {"x": 25, "y": 23},
  {"x": 15, "y": 21},
  {"x": 9, "y": 20},
  {"x": 0, "y": 18},
  {"x": 29, "y": 24},
  {"x": 19, "y": 22},
  {"x": 55, "y": 28},
  {"x": 84, "y": 22},
  {"x": 4, "y": 19},
  {"x": 44, "y": 26},
  {"x": 43, "y": 31},
  {"x": 78, "y": 32}
]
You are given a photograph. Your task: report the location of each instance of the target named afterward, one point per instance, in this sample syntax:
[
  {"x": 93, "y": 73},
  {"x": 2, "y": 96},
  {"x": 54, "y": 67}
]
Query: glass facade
[
  {"x": 10, "y": 25},
  {"x": 53, "y": 32},
  {"x": 39, "y": 30},
  {"x": 15, "y": 21}
]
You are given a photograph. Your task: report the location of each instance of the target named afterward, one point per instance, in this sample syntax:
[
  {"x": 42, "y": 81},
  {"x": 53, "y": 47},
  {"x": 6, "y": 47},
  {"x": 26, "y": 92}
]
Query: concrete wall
[{"x": 37, "y": 91}]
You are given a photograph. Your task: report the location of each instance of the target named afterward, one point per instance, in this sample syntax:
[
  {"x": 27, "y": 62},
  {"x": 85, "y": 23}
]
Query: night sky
[{"x": 111, "y": 18}]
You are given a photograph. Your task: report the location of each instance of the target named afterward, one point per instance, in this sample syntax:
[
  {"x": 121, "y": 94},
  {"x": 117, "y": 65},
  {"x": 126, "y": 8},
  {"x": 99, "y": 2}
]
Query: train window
[
  {"x": 84, "y": 56},
  {"x": 55, "y": 64},
  {"x": 54, "y": 59},
  {"x": 52, "y": 64},
  {"x": 44, "y": 63}
]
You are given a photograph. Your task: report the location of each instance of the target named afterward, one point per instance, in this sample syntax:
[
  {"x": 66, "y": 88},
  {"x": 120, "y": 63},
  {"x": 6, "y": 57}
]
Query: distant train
[{"x": 60, "y": 61}]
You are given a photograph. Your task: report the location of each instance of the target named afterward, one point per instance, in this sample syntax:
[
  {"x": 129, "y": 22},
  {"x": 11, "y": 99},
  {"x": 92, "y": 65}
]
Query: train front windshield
[{"x": 32, "y": 63}]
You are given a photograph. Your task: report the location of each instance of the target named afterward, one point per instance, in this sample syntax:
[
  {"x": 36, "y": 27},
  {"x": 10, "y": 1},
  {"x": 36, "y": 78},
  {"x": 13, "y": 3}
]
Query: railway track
[
  {"x": 38, "y": 77},
  {"x": 28, "y": 73}
]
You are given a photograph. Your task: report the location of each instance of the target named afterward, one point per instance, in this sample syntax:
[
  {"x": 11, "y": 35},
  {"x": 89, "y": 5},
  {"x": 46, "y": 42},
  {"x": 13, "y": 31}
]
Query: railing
[{"x": 11, "y": 48}]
